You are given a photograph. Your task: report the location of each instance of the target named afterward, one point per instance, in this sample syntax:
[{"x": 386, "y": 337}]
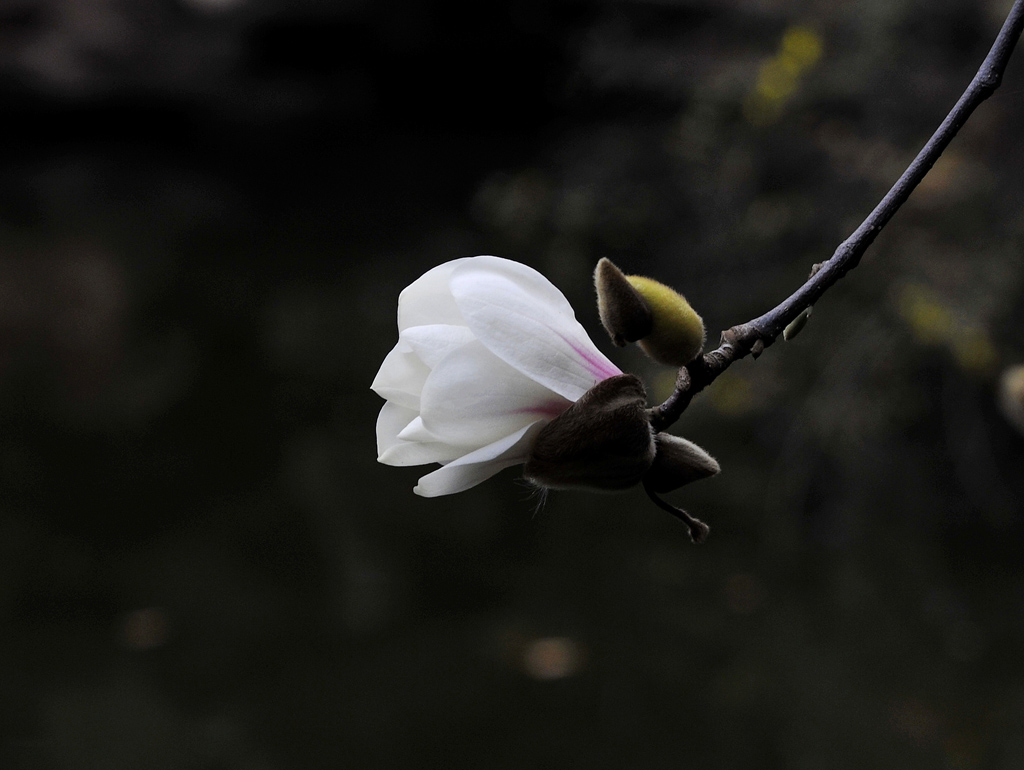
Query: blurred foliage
[{"x": 207, "y": 211}]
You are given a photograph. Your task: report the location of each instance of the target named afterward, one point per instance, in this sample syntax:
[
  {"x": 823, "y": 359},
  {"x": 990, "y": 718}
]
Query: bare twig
[
  {"x": 698, "y": 529},
  {"x": 754, "y": 336}
]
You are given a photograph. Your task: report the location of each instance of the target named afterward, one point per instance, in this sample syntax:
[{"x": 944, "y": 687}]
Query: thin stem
[
  {"x": 754, "y": 336},
  {"x": 698, "y": 529}
]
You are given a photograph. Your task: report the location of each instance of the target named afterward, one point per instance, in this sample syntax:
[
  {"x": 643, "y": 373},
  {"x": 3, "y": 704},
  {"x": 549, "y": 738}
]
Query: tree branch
[{"x": 754, "y": 336}]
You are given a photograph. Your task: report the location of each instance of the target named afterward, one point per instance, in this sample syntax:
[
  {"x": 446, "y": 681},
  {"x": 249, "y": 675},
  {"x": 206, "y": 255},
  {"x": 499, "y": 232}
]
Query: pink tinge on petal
[
  {"x": 524, "y": 320},
  {"x": 549, "y": 409},
  {"x": 602, "y": 369}
]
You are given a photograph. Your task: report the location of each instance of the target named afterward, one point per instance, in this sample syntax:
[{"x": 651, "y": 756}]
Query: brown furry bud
[
  {"x": 638, "y": 309},
  {"x": 624, "y": 312},
  {"x": 678, "y": 462},
  {"x": 602, "y": 442}
]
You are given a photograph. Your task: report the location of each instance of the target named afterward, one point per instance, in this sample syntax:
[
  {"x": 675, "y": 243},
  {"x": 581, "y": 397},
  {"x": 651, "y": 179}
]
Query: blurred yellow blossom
[
  {"x": 932, "y": 322},
  {"x": 778, "y": 79},
  {"x": 802, "y": 46},
  {"x": 732, "y": 394},
  {"x": 974, "y": 351}
]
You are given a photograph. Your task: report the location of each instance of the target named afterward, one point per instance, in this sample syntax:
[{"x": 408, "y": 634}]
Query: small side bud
[
  {"x": 624, "y": 312},
  {"x": 677, "y": 334},
  {"x": 797, "y": 324},
  {"x": 603, "y": 442},
  {"x": 678, "y": 462}
]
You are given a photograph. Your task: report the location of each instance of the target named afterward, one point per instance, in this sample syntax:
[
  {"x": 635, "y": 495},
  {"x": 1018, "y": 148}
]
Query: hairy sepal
[{"x": 603, "y": 442}]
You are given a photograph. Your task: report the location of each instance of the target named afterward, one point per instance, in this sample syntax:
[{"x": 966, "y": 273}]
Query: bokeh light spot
[{"x": 550, "y": 658}]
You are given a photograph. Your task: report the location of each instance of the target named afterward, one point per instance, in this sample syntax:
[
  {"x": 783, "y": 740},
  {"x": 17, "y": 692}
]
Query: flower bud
[
  {"x": 602, "y": 442},
  {"x": 638, "y": 309},
  {"x": 797, "y": 324},
  {"x": 624, "y": 312},
  {"x": 678, "y": 334},
  {"x": 678, "y": 462}
]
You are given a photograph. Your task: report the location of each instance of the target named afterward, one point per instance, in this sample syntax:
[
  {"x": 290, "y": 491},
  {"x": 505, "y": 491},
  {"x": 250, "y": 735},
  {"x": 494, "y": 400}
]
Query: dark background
[{"x": 207, "y": 211}]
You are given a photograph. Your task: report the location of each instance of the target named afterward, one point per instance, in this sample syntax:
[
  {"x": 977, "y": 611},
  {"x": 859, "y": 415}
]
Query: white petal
[
  {"x": 470, "y": 470},
  {"x": 416, "y": 431},
  {"x": 432, "y": 342},
  {"x": 428, "y": 299},
  {"x": 390, "y": 422},
  {"x": 473, "y": 398},
  {"x": 401, "y": 376},
  {"x": 525, "y": 321},
  {"x": 393, "y": 450},
  {"x": 419, "y": 453}
]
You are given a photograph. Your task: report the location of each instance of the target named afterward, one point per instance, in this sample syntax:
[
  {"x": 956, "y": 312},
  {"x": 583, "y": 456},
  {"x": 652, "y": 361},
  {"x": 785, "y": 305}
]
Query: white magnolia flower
[{"x": 488, "y": 353}]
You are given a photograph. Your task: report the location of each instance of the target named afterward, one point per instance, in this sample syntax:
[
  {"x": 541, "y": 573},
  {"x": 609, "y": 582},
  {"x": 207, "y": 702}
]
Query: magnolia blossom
[{"x": 488, "y": 353}]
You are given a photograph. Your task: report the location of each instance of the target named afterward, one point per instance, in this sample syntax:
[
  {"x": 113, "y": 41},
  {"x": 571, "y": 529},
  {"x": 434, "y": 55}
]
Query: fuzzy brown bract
[{"x": 602, "y": 442}]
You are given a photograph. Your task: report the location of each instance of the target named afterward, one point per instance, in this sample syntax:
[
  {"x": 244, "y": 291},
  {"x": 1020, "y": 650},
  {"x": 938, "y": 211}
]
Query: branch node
[{"x": 683, "y": 380}]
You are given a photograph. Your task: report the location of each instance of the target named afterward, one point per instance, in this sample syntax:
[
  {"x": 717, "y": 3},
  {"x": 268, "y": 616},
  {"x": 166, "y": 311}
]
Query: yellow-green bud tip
[{"x": 677, "y": 332}]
